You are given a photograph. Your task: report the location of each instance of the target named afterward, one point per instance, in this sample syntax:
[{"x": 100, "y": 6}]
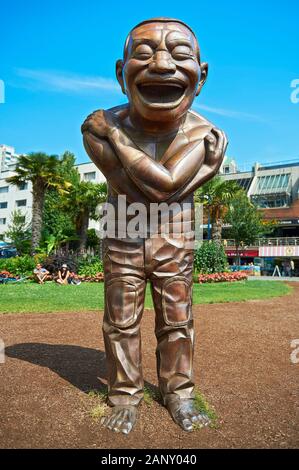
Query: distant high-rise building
[{"x": 8, "y": 158}]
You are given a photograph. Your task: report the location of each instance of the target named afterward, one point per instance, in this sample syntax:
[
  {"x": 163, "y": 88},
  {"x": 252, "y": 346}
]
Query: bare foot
[
  {"x": 122, "y": 419},
  {"x": 186, "y": 415}
]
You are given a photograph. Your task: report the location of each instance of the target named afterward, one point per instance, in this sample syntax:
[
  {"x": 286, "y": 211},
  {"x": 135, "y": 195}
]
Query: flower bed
[
  {"x": 6, "y": 274},
  {"x": 221, "y": 277},
  {"x": 99, "y": 277}
]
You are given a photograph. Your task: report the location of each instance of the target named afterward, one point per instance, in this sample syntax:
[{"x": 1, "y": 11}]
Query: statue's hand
[
  {"x": 99, "y": 123},
  {"x": 215, "y": 146}
]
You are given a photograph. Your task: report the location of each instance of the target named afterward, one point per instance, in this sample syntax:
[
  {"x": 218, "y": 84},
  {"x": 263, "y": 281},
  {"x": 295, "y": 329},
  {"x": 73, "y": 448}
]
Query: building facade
[
  {"x": 20, "y": 198},
  {"x": 8, "y": 157},
  {"x": 274, "y": 188}
]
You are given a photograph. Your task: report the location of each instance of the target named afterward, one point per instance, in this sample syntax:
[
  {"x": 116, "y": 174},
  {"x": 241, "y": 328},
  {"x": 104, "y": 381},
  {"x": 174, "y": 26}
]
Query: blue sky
[{"x": 57, "y": 60}]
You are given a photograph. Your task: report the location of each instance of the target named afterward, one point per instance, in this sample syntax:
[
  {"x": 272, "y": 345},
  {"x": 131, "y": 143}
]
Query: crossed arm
[{"x": 187, "y": 169}]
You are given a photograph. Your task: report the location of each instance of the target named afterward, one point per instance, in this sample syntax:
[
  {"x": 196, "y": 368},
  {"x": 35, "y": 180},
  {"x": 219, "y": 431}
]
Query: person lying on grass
[{"x": 40, "y": 273}]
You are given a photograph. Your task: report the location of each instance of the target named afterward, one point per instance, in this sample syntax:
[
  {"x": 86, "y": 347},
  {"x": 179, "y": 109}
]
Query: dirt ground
[{"x": 242, "y": 366}]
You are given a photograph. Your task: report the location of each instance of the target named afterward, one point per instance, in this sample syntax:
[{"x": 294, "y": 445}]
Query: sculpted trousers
[{"x": 167, "y": 264}]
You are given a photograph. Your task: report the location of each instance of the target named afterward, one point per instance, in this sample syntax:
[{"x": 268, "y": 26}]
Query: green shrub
[
  {"x": 54, "y": 262},
  {"x": 210, "y": 258},
  {"x": 90, "y": 269},
  {"x": 18, "y": 266}
]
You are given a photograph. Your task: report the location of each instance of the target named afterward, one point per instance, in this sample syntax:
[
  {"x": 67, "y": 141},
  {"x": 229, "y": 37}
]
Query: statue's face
[{"x": 161, "y": 72}]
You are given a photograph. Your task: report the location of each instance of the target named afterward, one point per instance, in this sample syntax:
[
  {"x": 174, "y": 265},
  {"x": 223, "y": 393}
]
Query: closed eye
[
  {"x": 182, "y": 52},
  {"x": 143, "y": 52}
]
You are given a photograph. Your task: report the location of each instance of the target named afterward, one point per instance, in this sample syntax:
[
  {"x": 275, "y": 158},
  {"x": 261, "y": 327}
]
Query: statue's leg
[
  {"x": 124, "y": 301},
  {"x": 171, "y": 284}
]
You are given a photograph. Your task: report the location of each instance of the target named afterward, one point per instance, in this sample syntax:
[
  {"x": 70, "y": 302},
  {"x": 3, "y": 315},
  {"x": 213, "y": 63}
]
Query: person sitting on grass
[
  {"x": 63, "y": 275},
  {"x": 40, "y": 273}
]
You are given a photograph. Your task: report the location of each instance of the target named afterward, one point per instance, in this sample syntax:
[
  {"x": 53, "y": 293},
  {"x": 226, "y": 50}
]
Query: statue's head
[{"x": 161, "y": 71}]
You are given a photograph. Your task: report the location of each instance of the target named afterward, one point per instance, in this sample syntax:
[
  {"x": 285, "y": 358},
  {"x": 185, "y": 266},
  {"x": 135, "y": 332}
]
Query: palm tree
[
  {"x": 83, "y": 200},
  {"x": 216, "y": 195},
  {"x": 42, "y": 171}
]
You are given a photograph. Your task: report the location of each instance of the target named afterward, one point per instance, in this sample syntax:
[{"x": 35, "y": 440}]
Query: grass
[
  {"x": 30, "y": 297},
  {"x": 99, "y": 394},
  {"x": 100, "y": 408},
  {"x": 203, "y": 406},
  {"x": 150, "y": 395},
  {"x": 99, "y": 411}
]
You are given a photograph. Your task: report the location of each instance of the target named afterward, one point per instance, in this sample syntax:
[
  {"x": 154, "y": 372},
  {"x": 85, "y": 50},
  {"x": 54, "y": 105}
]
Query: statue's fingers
[
  {"x": 219, "y": 135},
  {"x": 90, "y": 116},
  {"x": 211, "y": 138},
  {"x": 89, "y": 123},
  {"x": 221, "y": 140},
  {"x": 85, "y": 126},
  {"x": 96, "y": 113},
  {"x": 210, "y": 142}
]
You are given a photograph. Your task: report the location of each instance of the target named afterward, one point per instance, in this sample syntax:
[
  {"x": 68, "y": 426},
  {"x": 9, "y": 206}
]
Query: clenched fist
[
  {"x": 99, "y": 123},
  {"x": 215, "y": 145}
]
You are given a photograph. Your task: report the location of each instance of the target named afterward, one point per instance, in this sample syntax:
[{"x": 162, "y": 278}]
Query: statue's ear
[
  {"x": 204, "y": 67},
  {"x": 119, "y": 75}
]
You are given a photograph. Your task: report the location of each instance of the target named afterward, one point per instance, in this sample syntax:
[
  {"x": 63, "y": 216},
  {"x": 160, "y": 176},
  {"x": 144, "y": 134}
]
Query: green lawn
[{"x": 30, "y": 297}]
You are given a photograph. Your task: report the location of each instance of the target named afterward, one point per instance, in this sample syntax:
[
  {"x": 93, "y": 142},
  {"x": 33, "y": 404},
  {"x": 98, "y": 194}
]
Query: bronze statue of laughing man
[{"x": 154, "y": 149}]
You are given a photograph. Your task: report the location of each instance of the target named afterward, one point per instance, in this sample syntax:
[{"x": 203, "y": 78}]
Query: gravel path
[{"x": 242, "y": 366}]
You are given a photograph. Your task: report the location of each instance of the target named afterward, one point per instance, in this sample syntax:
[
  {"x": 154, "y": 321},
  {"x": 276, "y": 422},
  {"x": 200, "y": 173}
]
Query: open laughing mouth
[{"x": 162, "y": 94}]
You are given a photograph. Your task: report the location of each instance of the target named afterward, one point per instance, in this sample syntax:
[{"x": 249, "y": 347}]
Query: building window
[
  {"x": 271, "y": 201},
  {"x": 272, "y": 183},
  {"x": 4, "y": 189},
  {"x": 89, "y": 176},
  {"x": 244, "y": 183},
  {"x": 3, "y": 205},
  {"x": 2, "y": 220},
  {"x": 23, "y": 186},
  {"x": 21, "y": 203}
]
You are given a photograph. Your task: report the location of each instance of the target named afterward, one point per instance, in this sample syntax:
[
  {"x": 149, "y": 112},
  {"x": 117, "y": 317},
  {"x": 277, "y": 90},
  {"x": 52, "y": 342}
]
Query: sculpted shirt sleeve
[
  {"x": 154, "y": 180},
  {"x": 104, "y": 157},
  {"x": 210, "y": 167},
  {"x": 205, "y": 173}
]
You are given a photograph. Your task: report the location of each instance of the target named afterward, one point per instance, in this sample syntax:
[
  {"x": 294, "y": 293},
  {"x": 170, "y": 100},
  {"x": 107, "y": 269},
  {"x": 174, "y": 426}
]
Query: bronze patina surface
[{"x": 154, "y": 149}]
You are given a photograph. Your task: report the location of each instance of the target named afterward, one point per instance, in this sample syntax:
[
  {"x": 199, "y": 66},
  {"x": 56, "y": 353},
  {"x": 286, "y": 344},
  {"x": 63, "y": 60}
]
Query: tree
[
  {"x": 82, "y": 202},
  {"x": 52, "y": 242},
  {"x": 216, "y": 195},
  {"x": 210, "y": 258},
  {"x": 58, "y": 223},
  {"x": 42, "y": 171},
  {"x": 93, "y": 241},
  {"x": 18, "y": 232},
  {"x": 246, "y": 222}
]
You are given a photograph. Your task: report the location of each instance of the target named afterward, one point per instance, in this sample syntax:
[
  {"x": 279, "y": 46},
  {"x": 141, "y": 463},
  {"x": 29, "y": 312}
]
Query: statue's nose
[{"x": 162, "y": 63}]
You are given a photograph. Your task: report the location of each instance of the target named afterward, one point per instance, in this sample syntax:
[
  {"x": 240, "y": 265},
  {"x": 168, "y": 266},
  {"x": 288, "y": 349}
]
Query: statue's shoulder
[
  {"x": 120, "y": 111},
  {"x": 196, "y": 120}
]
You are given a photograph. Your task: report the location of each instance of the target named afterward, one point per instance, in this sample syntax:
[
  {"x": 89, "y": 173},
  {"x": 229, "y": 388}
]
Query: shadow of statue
[{"x": 85, "y": 368}]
